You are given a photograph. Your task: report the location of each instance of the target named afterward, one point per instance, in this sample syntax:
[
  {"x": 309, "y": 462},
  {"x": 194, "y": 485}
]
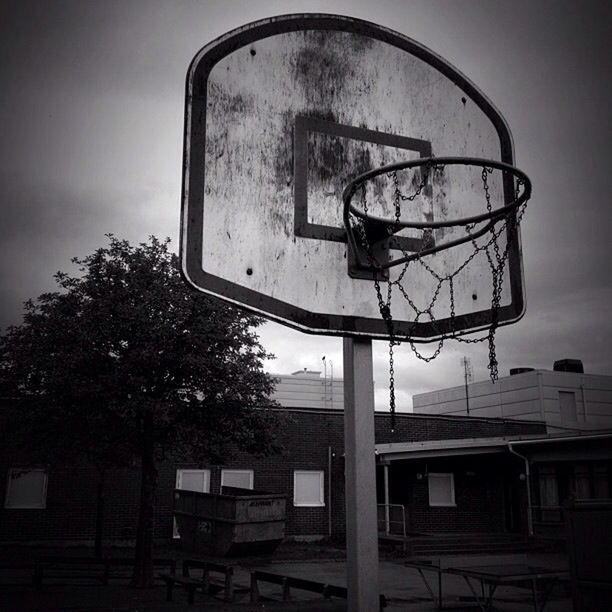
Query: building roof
[{"x": 476, "y": 446}]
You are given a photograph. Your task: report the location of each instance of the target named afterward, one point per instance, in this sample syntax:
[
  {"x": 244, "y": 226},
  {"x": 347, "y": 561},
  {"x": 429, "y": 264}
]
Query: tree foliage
[{"x": 125, "y": 360}]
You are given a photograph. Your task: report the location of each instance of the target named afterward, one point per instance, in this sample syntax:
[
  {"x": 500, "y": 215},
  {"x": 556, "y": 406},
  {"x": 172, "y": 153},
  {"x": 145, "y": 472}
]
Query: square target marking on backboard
[{"x": 327, "y": 156}]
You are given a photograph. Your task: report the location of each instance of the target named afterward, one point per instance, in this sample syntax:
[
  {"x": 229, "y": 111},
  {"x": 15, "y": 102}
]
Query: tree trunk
[
  {"x": 143, "y": 561},
  {"x": 99, "y": 512}
]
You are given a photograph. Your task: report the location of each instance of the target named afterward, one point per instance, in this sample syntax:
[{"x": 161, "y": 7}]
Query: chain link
[{"x": 495, "y": 257}]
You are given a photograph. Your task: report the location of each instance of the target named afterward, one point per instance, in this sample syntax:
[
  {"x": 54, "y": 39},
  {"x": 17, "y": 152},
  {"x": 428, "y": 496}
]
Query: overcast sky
[{"x": 92, "y": 103}]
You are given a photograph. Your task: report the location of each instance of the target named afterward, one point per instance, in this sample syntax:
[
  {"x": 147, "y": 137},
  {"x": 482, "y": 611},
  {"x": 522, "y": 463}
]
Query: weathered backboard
[{"x": 280, "y": 115}]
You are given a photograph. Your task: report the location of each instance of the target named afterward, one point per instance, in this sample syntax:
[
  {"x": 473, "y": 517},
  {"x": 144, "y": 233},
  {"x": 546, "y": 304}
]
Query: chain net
[{"x": 494, "y": 245}]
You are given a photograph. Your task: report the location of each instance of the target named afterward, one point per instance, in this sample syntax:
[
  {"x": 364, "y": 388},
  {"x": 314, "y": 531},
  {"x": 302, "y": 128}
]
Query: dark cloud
[
  {"x": 92, "y": 46},
  {"x": 46, "y": 223},
  {"x": 92, "y": 106}
]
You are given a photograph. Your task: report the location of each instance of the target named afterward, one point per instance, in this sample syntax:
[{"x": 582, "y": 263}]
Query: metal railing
[
  {"x": 547, "y": 514},
  {"x": 392, "y": 519}
]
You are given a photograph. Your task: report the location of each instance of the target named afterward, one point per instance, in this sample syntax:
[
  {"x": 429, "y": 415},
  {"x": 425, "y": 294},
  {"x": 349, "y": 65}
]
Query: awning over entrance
[
  {"x": 441, "y": 448},
  {"x": 557, "y": 447}
]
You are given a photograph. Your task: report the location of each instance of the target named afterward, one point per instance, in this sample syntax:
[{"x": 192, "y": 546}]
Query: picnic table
[{"x": 484, "y": 580}]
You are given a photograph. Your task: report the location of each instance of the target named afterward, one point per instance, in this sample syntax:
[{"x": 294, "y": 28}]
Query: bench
[
  {"x": 71, "y": 568},
  {"x": 289, "y": 582},
  {"x": 115, "y": 563},
  {"x": 190, "y": 584},
  {"x": 214, "y": 579},
  {"x": 99, "y": 569}
]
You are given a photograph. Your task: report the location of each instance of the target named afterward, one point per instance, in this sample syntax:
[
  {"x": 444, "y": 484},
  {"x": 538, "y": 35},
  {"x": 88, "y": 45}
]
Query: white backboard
[{"x": 280, "y": 115}]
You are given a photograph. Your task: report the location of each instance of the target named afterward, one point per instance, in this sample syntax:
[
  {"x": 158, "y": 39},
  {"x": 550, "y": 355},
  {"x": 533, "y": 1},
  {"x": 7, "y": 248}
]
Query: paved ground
[
  {"x": 406, "y": 591},
  {"x": 402, "y": 586}
]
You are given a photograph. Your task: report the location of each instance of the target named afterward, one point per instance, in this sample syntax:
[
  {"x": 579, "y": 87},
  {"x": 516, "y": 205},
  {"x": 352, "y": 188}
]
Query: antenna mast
[
  {"x": 467, "y": 377},
  {"x": 324, "y": 381}
]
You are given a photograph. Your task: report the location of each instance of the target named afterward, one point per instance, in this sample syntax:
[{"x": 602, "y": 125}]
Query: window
[
  {"x": 601, "y": 481},
  {"x": 308, "y": 488},
  {"x": 580, "y": 481},
  {"x": 26, "y": 488},
  {"x": 590, "y": 481},
  {"x": 548, "y": 490},
  {"x": 193, "y": 480},
  {"x": 441, "y": 489},
  {"x": 243, "y": 479}
]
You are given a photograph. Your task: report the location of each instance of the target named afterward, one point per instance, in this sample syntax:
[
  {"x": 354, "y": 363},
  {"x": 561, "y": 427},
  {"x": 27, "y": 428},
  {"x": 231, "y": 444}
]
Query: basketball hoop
[
  {"x": 385, "y": 228},
  {"x": 280, "y": 115},
  {"x": 372, "y": 238}
]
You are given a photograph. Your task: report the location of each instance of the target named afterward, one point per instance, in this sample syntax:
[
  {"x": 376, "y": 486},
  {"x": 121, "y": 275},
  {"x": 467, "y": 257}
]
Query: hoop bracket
[{"x": 370, "y": 265}]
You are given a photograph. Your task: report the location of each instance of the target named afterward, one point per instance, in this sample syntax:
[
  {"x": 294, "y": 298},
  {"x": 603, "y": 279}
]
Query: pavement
[
  {"x": 402, "y": 586},
  {"x": 405, "y": 591}
]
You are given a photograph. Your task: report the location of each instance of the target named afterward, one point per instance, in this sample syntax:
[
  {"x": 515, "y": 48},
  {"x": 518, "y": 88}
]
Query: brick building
[
  {"x": 58, "y": 503},
  {"x": 574, "y": 459}
]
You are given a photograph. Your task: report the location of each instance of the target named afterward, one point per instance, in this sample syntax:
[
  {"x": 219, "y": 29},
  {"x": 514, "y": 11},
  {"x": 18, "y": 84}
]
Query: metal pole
[
  {"x": 467, "y": 396},
  {"x": 329, "y": 491},
  {"x": 360, "y": 469},
  {"x": 331, "y": 386},
  {"x": 386, "y": 474}
]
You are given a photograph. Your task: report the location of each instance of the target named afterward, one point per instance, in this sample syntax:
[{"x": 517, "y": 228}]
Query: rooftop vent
[
  {"x": 305, "y": 373},
  {"x": 568, "y": 365},
  {"x": 514, "y": 371}
]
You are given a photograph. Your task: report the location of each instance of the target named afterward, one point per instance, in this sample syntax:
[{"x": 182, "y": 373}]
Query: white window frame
[
  {"x": 181, "y": 471},
  {"x": 321, "y": 501},
  {"x": 450, "y": 477},
  {"x": 11, "y": 505},
  {"x": 250, "y": 473}
]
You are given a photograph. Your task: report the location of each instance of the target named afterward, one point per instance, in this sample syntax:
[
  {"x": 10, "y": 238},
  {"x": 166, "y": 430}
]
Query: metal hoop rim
[{"x": 351, "y": 188}]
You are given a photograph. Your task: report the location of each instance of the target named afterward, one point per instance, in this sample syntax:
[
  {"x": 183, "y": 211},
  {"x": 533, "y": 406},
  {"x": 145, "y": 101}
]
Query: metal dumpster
[{"x": 237, "y": 522}]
